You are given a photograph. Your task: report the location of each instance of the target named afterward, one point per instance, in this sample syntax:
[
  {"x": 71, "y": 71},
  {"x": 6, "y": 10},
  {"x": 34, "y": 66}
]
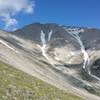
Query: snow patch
[{"x": 49, "y": 36}]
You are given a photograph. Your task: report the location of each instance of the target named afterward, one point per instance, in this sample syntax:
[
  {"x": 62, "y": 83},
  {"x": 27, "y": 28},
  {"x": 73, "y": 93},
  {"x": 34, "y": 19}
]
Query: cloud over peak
[{"x": 10, "y": 8}]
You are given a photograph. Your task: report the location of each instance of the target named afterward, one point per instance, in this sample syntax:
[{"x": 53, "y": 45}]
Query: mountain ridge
[{"x": 56, "y": 54}]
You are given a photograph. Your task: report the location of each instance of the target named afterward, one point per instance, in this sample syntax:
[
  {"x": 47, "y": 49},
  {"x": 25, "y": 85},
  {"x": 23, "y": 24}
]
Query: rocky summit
[{"x": 67, "y": 57}]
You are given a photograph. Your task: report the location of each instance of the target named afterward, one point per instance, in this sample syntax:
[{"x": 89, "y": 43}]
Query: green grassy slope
[{"x": 17, "y": 85}]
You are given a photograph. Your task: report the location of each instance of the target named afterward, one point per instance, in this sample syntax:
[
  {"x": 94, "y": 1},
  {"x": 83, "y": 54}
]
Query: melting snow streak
[
  {"x": 75, "y": 33},
  {"x": 4, "y": 43},
  {"x": 49, "y": 36},
  {"x": 43, "y": 48}
]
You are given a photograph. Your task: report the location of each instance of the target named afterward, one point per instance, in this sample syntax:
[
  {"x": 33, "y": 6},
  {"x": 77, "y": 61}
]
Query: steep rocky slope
[{"x": 66, "y": 57}]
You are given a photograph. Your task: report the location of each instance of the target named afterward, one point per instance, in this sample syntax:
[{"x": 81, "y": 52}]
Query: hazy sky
[{"x": 68, "y": 12}]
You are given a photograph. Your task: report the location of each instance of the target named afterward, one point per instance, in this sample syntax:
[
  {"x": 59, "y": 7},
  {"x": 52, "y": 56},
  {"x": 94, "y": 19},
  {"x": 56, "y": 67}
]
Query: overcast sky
[{"x": 17, "y": 13}]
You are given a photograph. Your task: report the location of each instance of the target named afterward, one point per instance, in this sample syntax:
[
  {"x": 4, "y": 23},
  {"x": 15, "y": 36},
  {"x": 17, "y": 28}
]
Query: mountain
[{"x": 67, "y": 57}]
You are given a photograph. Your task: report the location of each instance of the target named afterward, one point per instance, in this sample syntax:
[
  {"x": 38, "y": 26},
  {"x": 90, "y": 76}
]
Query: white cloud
[
  {"x": 10, "y": 23},
  {"x": 10, "y": 8}
]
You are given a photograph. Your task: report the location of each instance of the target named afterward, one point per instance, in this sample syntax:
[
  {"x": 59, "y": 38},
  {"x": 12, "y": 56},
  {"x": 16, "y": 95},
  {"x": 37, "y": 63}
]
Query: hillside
[
  {"x": 17, "y": 85},
  {"x": 67, "y": 57}
]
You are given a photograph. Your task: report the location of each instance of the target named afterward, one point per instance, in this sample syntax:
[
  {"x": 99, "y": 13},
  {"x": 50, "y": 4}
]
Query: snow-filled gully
[
  {"x": 75, "y": 33},
  {"x": 43, "y": 48}
]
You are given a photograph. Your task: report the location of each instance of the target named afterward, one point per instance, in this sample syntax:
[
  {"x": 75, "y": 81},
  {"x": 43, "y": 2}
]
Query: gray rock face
[
  {"x": 56, "y": 54},
  {"x": 62, "y": 40},
  {"x": 91, "y": 39},
  {"x": 96, "y": 68}
]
